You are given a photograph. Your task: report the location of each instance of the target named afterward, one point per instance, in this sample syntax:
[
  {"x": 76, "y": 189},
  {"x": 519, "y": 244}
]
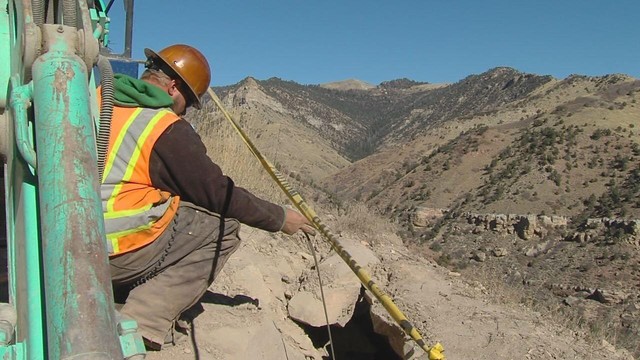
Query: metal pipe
[
  {"x": 79, "y": 300},
  {"x": 20, "y": 102},
  {"x": 25, "y": 291},
  {"x": 128, "y": 35},
  {"x": 32, "y": 255}
]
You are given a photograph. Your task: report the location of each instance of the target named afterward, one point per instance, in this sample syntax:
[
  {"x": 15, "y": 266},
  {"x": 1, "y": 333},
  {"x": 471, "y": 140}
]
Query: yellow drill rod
[{"x": 435, "y": 352}]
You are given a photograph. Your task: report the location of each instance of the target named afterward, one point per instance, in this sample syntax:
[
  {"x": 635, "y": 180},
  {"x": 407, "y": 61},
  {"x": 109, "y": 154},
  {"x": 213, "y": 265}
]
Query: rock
[
  {"x": 525, "y": 227},
  {"x": 411, "y": 351},
  {"x": 537, "y": 250},
  {"x": 261, "y": 341},
  {"x": 384, "y": 325},
  {"x": 540, "y": 232},
  {"x": 545, "y": 220},
  {"x": 479, "y": 256},
  {"x": 499, "y": 252},
  {"x": 305, "y": 307},
  {"x": 532, "y": 282},
  {"x": 341, "y": 288},
  {"x": 532, "y": 252},
  {"x": 578, "y": 236},
  {"x": 571, "y": 300},
  {"x": 635, "y": 227},
  {"x": 608, "y": 296},
  {"x": 606, "y": 345},
  {"x": 559, "y": 221},
  {"x": 598, "y": 296},
  {"x": 514, "y": 277}
]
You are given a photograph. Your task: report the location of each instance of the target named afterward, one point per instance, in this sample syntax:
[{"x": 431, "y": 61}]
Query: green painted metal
[
  {"x": 13, "y": 352},
  {"x": 23, "y": 240},
  {"x": 24, "y": 253},
  {"x": 5, "y": 60},
  {"x": 59, "y": 277},
  {"x": 32, "y": 298},
  {"x": 20, "y": 103},
  {"x": 130, "y": 341},
  {"x": 26, "y": 287},
  {"x": 100, "y": 22},
  {"x": 77, "y": 276},
  {"x": 107, "y": 25}
]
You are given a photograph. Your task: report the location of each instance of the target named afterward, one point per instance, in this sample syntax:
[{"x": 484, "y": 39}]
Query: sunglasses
[
  {"x": 181, "y": 85},
  {"x": 186, "y": 93}
]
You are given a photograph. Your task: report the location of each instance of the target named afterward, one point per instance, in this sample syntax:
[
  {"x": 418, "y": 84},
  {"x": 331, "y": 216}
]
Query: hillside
[
  {"x": 502, "y": 154},
  {"x": 352, "y": 121},
  {"x": 514, "y": 142},
  {"x": 525, "y": 183},
  {"x": 287, "y": 136}
]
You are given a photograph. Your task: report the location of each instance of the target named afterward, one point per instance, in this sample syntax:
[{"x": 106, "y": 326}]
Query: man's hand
[{"x": 295, "y": 221}]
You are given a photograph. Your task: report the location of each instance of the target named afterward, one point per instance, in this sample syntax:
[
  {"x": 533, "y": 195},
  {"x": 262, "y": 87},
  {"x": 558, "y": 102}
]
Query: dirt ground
[{"x": 247, "y": 310}]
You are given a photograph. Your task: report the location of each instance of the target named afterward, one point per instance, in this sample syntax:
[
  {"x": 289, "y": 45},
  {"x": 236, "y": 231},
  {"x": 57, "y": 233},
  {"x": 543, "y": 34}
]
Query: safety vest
[{"x": 135, "y": 212}]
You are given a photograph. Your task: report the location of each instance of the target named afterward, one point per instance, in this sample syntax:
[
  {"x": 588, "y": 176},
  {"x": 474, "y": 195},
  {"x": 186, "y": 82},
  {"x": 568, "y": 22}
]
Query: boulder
[
  {"x": 305, "y": 307},
  {"x": 424, "y": 216},
  {"x": 479, "y": 256},
  {"x": 499, "y": 252},
  {"x": 341, "y": 288}
]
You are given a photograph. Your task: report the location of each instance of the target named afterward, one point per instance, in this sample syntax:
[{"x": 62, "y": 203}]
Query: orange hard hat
[{"x": 187, "y": 63}]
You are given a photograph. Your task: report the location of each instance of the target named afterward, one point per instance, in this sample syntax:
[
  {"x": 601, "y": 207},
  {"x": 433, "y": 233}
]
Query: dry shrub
[
  {"x": 360, "y": 219},
  {"x": 226, "y": 148}
]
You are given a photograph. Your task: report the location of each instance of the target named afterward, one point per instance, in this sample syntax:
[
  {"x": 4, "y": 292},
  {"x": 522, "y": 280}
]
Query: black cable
[{"x": 324, "y": 304}]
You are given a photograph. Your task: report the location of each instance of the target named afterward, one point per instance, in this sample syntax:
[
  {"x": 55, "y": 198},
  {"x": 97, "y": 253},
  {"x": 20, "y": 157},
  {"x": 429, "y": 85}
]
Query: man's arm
[{"x": 179, "y": 164}]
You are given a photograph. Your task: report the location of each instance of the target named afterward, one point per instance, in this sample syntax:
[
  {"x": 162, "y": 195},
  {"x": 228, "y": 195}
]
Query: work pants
[{"x": 171, "y": 274}]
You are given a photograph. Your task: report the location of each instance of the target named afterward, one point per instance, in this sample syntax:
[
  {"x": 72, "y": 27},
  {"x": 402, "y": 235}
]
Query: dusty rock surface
[{"x": 271, "y": 280}]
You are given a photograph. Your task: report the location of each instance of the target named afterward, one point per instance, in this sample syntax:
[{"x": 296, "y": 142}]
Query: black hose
[{"x": 106, "y": 111}]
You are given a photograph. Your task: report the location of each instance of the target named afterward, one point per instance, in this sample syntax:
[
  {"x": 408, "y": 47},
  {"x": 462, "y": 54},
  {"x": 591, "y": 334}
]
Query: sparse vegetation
[{"x": 496, "y": 143}]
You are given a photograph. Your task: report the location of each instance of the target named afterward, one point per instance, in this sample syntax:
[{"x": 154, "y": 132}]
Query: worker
[{"x": 171, "y": 216}]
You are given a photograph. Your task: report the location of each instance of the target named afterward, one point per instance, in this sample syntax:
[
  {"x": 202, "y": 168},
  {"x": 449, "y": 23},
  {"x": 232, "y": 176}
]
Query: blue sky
[{"x": 314, "y": 41}]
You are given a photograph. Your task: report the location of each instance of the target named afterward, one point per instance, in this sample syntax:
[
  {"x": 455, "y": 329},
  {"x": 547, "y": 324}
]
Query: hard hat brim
[{"x": 150, "y": 54}]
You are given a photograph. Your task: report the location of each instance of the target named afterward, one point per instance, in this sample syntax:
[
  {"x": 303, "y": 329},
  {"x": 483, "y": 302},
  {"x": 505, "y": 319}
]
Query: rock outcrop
[{"x": 525, "y": 226}]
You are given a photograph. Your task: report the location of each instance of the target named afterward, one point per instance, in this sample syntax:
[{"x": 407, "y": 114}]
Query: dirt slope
[{"x": 247, "y": 317}]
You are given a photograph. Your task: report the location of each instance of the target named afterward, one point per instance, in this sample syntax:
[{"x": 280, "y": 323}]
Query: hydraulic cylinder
[{"x": 77, "y": 285}]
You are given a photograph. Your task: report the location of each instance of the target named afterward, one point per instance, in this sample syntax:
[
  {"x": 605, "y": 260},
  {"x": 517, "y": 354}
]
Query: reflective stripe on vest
[{"x": 135, "y": 213}]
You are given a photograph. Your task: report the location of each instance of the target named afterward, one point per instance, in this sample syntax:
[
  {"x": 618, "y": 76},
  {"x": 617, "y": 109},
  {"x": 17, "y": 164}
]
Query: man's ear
[{"x": 173, "y": 88}]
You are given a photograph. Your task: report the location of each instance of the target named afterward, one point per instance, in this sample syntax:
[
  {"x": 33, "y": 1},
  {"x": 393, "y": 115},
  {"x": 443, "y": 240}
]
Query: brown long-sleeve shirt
[{"x": 179, "y": 164}]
